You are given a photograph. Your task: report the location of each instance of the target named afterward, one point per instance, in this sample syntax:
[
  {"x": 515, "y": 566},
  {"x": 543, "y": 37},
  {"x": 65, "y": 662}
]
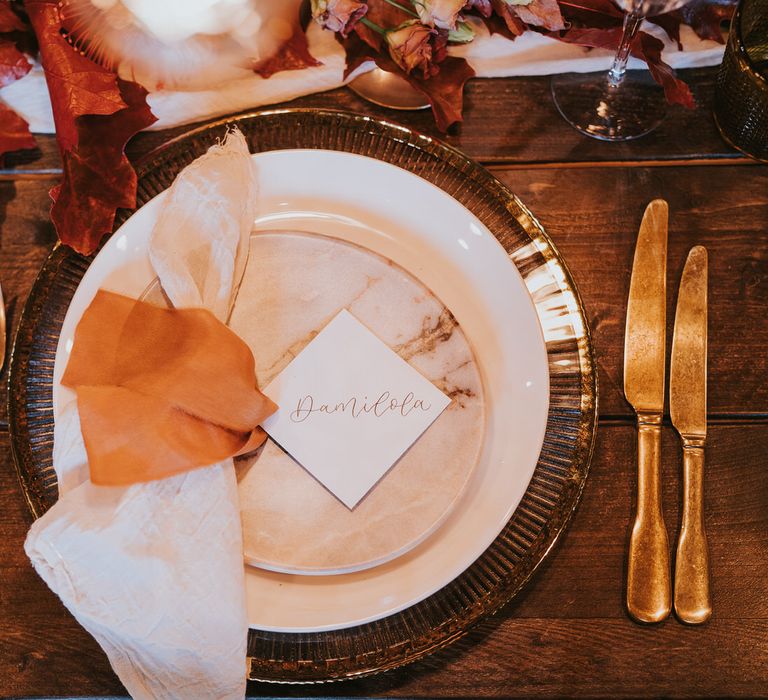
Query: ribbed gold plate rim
[{"x": 560, "y": 473}]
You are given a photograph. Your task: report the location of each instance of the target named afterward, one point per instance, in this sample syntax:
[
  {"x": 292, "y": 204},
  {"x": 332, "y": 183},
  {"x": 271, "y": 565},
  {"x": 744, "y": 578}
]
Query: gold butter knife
[
  {"x": 649, "y": 594},
  {"x": 688, "y": 408}
]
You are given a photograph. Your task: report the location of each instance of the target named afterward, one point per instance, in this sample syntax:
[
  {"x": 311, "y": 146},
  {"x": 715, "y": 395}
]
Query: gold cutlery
[
  {"x": 648, "y": 577},
  {"x": 688, "y": 408}
]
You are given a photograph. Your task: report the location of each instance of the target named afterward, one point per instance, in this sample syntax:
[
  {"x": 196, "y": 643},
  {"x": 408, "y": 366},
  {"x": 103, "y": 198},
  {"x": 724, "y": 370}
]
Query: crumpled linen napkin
[{"x": 154, "y": 571}]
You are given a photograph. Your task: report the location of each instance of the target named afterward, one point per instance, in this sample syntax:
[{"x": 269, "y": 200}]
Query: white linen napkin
[
  {"x": 490, "y": 56},
  {"x": 155, "y": 571}
]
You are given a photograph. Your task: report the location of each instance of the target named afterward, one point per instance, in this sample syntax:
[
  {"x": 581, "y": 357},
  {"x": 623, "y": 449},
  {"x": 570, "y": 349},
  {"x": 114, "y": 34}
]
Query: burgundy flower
[
  {"x": 338, "y": 15},
  {"x": 439, "y": 13},
  {"x": 482, "y": 6},
  {"x": 413, "y": 45}
]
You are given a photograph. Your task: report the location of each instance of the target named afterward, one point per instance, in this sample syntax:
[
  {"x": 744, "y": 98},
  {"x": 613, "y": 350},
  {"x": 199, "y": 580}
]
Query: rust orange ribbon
[{"x": 161, "y": 391}]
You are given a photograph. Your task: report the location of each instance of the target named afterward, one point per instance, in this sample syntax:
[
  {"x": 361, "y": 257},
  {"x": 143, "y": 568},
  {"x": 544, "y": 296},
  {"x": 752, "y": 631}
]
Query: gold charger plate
[{"x": 560, "y": 473}]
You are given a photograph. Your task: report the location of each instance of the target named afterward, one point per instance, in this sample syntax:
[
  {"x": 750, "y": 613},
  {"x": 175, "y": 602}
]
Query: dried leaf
[
  {"x": 670, "y": 23},
  {"x": 482, "y": 7},
  {"x": 645, "y": 47},
  {"x": 541, "y": 13},
  {"x": 95, "y": 114},
  {"x": 706, "y": 17},
  {"x": 443, "y": 90},
  {"x": 13, "y": 63},
  {"x": 591, "y": 13},
  {"x": 675, "y": 90},
  {"x": 293, "y": 53},
  {"x": 514, "y": 25},
  {"x": 9, "y": 20},
  {"x": 497, "y": 25},
  {"x": 14, "y": 132}
]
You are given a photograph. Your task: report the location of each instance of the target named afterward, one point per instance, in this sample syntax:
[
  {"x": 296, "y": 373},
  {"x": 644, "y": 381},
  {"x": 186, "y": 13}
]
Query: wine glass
[{"x": 617, "y": 106}]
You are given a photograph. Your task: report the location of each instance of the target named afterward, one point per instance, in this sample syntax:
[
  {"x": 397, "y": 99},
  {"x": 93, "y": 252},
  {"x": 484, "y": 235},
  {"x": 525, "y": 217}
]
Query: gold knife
[
  {"x": 649, "y": 589},
  {"x": 688, "y": 408}
]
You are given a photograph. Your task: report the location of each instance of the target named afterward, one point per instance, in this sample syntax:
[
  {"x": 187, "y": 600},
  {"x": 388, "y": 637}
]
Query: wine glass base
[{"x": 611, "y": 113}]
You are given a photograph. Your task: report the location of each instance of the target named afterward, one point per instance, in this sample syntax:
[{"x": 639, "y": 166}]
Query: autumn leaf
[
  {"x": 591, "y": 13},
  {"x": 13, "y": 63},
  {"x": 14, "y": 131},
  {"x": 9, "y": 20},
  {"x": 443, "y": 90},
  {"x": 95, "y": 114},
  {"x": 706, "y": 17},
  {"x": 291, "y": 52},
  {"x": 541, "y": 13},
  {"x": 675, "y": 90},
  {"x": 514, "y": 25},
  {"x": 670, "y": 23},
  {"x": 645, "y": 47}
]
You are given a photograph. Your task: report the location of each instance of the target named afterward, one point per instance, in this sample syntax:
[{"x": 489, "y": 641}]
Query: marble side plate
[
  {"x": 291, "y": 522},
  {"x": 405, "y": 219}
]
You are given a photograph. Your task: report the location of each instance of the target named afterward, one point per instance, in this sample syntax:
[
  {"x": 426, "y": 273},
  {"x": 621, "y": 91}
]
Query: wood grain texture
[
  {"x": 593, "y": 215},
  {"x": 505, "y": 120},
  {"x": 566, "y": 634}
]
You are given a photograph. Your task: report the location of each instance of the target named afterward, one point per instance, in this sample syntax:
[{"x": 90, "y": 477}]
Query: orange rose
[
  {"x": 411, "y": 46},
  {"x": 338, "y": 15}
]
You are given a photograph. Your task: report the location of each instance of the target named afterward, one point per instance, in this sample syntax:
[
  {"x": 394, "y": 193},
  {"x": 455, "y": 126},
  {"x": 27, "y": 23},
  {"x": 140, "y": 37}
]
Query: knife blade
[
  {"x": 649, "y": 596},
  {"x": 688, "y": 408}
]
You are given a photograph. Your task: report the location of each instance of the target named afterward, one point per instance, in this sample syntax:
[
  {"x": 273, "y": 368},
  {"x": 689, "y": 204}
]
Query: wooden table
[{"x": 568, "y": 633}]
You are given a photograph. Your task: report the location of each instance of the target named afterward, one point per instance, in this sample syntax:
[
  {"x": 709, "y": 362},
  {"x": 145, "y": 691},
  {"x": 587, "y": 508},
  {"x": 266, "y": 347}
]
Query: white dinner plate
[{"x": 415, "y": 224}]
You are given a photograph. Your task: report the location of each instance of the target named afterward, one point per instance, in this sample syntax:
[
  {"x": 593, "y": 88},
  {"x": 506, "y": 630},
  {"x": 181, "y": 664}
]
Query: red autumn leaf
[
  {"x": 497, "y": 25},
  {"x": 13, "y": 63},
  {"x": 293, "y": 53},
  {"x": 95, "y": 114},
  {"x": 707, "y": 16},
  {"x": 675, "y": 90},
  {"x": 541, "y": 13},
  {"x": 98, "y": 178},
  {"x": 645, "y": 47},
  {"x": 670, "y": 23},
  {"x": 514, "y": 25},
  {"x": 591, "y": 14},
  {"x": 482, "y": 7},
  {"x": 14, "y": 132},
  {"x": 9, "y": 20},
  {"x": 443, "y": 90}
]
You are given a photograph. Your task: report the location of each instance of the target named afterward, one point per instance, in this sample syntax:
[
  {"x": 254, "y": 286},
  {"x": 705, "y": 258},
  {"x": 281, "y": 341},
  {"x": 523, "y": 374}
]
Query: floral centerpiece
[
  {"x": 413, "y": 37},
  {"x": 97, "y": 108}
]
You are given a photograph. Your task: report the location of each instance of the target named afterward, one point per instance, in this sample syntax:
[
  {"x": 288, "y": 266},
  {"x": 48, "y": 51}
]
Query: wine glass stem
[{"x": 632, "y": 23}]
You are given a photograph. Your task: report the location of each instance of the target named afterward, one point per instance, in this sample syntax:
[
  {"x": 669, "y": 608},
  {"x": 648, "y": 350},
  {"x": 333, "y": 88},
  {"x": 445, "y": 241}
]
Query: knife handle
[
  {"x": 693, "y": 603},
  {"x": 649, "y": 589}
]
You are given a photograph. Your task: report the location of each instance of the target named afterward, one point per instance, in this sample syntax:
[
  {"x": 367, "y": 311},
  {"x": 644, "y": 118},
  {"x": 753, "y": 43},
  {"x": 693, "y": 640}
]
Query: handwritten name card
[{"x": 349, "y": 408}]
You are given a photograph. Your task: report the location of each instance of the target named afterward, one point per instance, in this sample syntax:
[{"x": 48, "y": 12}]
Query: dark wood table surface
[{"x": 568, "y": 633}]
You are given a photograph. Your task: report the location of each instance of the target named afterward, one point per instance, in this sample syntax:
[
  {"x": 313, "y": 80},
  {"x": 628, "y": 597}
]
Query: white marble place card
[{"x": 350, "y": 407}]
